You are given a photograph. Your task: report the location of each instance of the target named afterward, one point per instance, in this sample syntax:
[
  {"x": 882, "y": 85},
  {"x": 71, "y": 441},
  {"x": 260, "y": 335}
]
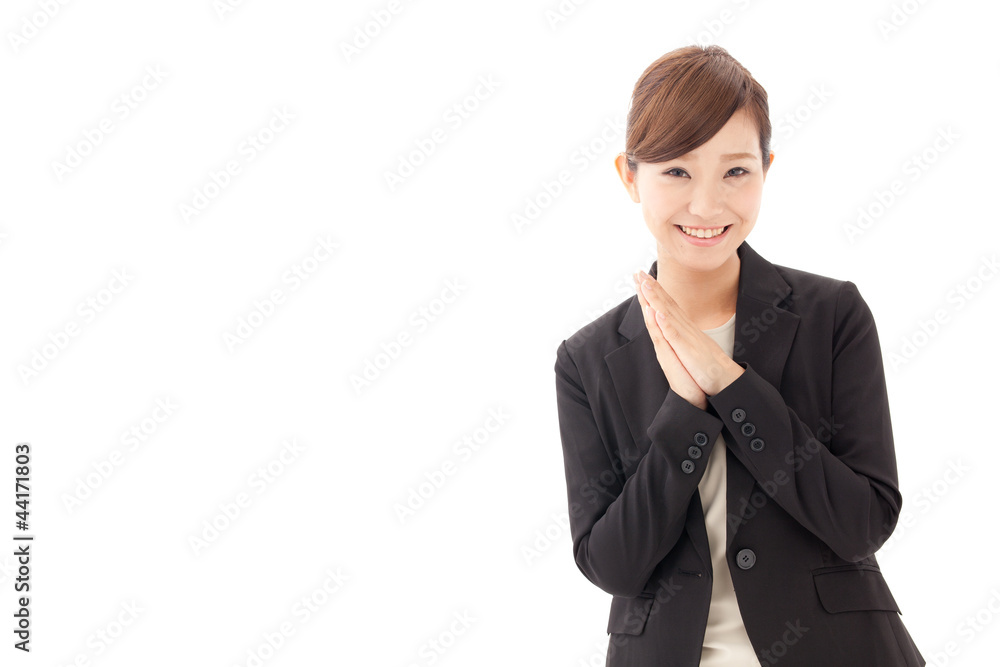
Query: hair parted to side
[{"x": 684, "y": 98}]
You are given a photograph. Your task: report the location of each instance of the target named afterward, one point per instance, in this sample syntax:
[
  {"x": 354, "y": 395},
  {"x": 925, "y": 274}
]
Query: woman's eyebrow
[{"x": 723, "y": 157}]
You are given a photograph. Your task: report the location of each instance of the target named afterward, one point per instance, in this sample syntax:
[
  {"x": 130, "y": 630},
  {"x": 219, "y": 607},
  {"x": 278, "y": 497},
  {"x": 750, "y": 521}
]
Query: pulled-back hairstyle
[{"x": 684, "y": 98}]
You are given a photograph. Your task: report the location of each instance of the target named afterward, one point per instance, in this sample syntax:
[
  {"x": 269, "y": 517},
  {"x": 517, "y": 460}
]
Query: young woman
[{"x": 726, "y": 435}]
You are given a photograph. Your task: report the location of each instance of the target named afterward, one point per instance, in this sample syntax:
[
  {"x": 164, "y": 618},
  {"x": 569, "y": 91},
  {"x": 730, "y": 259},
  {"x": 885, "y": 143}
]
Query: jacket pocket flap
[
  {"x": 628, "y": 615},
  {"x": 853, "y": 589}
]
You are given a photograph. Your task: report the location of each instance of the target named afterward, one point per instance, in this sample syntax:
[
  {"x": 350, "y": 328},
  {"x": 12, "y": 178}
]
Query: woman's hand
[
  {"x": 694, "y": 364},
  {"x": 677, "y": 376}
]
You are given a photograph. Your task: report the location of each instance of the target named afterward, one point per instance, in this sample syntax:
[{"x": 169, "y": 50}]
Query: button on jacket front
[{"x": 811, "y": 484}]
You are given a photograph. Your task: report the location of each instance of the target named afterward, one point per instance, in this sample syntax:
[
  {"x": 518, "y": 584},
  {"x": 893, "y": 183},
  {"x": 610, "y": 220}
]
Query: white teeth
[{"x": 702, "y": 233}]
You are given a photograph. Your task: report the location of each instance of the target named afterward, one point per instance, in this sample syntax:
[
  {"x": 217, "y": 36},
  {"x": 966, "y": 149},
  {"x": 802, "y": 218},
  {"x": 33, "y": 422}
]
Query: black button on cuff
[
  {"x": 700, "y": 439},
  {"x": 748, "y": 429},
  {"x": 694, "y": 452},
  {"x": 756, "y": 444},
  {"x": 745, "y": 559},
  {"x": 687, "y": 466},
  {"x": 739, "y": 414}
]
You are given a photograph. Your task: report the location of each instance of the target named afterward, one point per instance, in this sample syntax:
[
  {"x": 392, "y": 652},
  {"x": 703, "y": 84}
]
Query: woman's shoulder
[
  {"x": 831, "y": 308},
  {"x": 808, "y": 283},
  {"x": 599, "y": 336},
  {"x": 813, "y": 291}
]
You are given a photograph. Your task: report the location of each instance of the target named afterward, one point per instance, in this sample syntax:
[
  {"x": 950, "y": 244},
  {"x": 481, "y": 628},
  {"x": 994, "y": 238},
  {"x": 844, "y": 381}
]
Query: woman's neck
[{"x": 707, "y": 297}]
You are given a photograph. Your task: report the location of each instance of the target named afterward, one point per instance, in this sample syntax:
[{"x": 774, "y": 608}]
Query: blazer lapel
[{"x": 763, "y": 338}]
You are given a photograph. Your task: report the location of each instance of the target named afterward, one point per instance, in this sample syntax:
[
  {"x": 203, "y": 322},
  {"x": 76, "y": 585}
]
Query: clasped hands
[{"x": 694, "y": 364}]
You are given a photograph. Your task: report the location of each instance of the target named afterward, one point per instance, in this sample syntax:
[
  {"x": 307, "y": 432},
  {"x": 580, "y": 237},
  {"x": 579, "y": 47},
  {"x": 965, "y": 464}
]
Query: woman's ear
[
  {"x": 769, "y": 164},
  {"x": 627, "y": 176}
]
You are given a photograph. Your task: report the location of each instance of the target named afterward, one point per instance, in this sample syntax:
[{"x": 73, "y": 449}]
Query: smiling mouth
[{"x": 703, "y": 233}]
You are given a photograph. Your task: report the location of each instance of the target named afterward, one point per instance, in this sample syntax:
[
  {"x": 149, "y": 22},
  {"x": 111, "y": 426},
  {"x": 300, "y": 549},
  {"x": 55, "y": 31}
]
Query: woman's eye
[{"x": 677, "y": 171}]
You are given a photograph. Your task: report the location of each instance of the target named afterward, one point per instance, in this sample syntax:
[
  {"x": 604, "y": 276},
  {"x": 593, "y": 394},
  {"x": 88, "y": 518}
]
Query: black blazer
[{"x": 811, "y": 483}]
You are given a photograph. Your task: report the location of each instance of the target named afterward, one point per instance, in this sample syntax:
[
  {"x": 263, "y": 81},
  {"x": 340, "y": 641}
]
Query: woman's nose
[{"x": 706, "y": 201}]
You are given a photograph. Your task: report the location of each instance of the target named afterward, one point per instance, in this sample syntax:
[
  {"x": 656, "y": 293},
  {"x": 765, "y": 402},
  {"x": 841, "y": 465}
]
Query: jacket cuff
[
  {"x": 743, "y": 401},
  {"x": 684, "y": 434}
]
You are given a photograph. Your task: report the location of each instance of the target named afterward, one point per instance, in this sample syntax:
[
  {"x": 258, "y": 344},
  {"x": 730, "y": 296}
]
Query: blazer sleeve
[
  {"x": 842, "y": 486},
  {"x": 622, "y": 530}
]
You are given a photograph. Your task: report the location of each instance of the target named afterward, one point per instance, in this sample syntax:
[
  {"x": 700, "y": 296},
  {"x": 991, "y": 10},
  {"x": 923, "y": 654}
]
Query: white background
[{"x": 501, "y": 297}]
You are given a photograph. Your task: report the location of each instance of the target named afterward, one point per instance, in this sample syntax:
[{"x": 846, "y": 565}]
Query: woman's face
[{"x": 716, "y": 186}]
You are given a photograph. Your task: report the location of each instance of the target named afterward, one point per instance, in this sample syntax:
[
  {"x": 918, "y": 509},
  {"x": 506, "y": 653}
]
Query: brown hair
[{"x": 684, "y": 98}]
